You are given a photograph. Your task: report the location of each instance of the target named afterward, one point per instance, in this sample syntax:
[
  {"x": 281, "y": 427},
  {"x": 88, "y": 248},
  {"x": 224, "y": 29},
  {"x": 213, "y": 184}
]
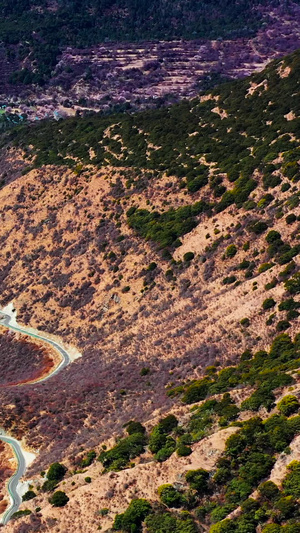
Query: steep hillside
[{"x": 164, "y": 245}]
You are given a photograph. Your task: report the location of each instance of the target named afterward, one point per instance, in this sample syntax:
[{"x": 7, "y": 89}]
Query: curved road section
[{"x": 16, "y": 500}]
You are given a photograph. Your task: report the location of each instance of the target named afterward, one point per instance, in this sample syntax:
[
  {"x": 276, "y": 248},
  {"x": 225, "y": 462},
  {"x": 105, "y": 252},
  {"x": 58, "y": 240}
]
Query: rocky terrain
[{"x": 165, "y": 246}]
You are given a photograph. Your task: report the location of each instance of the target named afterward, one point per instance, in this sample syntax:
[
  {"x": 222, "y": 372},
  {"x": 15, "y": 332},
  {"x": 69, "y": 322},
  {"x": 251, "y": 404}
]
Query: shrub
[
  {"x": 289, "y": 304},
  {"x": 271, "y": 284},
  {"x": 104, "y": 511},
  {"x": 225, "y": 526},
  {"x": 87, "y": 461},
  {"x": 268, "y": 490},
  {"x": 283, "y": 325},
  {"x": 59, "y": 499},
  {"x": 126, "y": 289},
  {"x": 198, "y": 480},
  {"x": 231, "y": 250},
  {"x": 170, "y": 523},
  {"x": 268, "y": 303},
  {"x": 229, "y": 280},
  {"x": 56, "y": 472},
  {"x": 134, "y": 427},
  {"x": 159, "y": 442},
  {"x": 196, "y": 392},
  {"x": 271, "y": 319},
  {"x": 170, "y": 496},
  {"x": 292, "y": 285},
  {"x": 273, "y": 236},
  {"x": 168, "y": 423},
  {"x": 288, "y": 405},
  {"x": 258, "y": 227},
  {"x": 131, "y": 520},
  {"x": 291, "y": 483},
  {"x": 19, "y": 514},
  {"x": 183, "y": 450},
  {"x": 287, "y": 506},
  {"x": 292, "y": 314},
  {"x": 264, "y": 267},
  {"x": 49, "y": 485},
  {"x": 118, "y": 457},
  {"x": 88, "y": 479},
  {"x": 29, "y": 495},
  {"x": 166, "y": 451},
  {"x": 152, "y": 266},
  {"x": 188, "y": 257},
  {"x": 245, "y": 322},
  {"x": 244, "y": 264},
  {"x": 291, "y": 218},
  {"x": 221, "y": 511},
  {"x": 145, "y": 371},
  {"x": 271, "y": 528}
]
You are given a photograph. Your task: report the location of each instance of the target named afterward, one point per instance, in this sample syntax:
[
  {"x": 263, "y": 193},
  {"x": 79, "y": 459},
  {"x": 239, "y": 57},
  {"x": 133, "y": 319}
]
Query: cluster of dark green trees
[
  {"x": 207, "y": 498},
  {"x": 264, "y": 370}
]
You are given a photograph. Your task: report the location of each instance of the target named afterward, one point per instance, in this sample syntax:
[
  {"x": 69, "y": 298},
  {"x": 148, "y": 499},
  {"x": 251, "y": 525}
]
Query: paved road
[
  {"x": 5, "y": 320},
  {"x": 16, "y": 500}
]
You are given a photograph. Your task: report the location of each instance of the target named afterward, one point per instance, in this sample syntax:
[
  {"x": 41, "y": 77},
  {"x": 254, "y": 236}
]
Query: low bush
[
  {"x": 231, "y": 250},
  {"x": 268, "y": 304},
  {"x": 128, "y": 448},
  {"x": 288, "y": 405},
  {"x": 59, "y": 499},
  {"x": 188, "y": 257},
  {"x": 29, "y": 495},
  {"x": 131, "y": 520},
  {"x": 170, "y": 496}
]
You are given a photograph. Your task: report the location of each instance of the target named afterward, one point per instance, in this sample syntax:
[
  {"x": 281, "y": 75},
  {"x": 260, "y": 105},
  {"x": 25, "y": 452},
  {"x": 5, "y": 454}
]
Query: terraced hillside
[
  {"x": 165, "y": 245},
  {"x": 39, "y": 29},
  {"x": 126, "y": 58}
]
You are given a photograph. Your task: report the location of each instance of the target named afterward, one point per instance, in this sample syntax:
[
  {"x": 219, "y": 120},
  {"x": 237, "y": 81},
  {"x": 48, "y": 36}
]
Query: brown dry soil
[{"x": 73, "y": 268}]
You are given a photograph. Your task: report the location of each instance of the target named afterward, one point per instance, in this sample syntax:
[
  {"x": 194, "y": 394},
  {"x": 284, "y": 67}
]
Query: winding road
[
  {"x": 12, "y": 487},
  {"x": 16, "y": 500}
]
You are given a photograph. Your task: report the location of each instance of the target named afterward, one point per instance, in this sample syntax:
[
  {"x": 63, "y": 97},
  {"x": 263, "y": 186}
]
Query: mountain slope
[{"x": 161, "y": 244}]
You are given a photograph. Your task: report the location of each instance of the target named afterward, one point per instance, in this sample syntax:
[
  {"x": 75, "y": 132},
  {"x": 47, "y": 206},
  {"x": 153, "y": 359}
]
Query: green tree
[
  {"x": 292, "y": 285},
  {"x": 170, "y": 496},
  {"x": 56, "y": 472},
  {"x": 198, "y": 480},
  {"x": 291, "y": 483},
  {"x": 131, "y": 520},
  {"x": 59, "y": 499},
  {"x": 288, "y": 405},
  {"x": 225, "y": 526},
  {"x": 29, "y": 495},
  {"x": 231, "y": 250},
  {"x": 268, "y": 490},
  {"x": 268, "y": 303},
  {"x": 287, "y": 506}
]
